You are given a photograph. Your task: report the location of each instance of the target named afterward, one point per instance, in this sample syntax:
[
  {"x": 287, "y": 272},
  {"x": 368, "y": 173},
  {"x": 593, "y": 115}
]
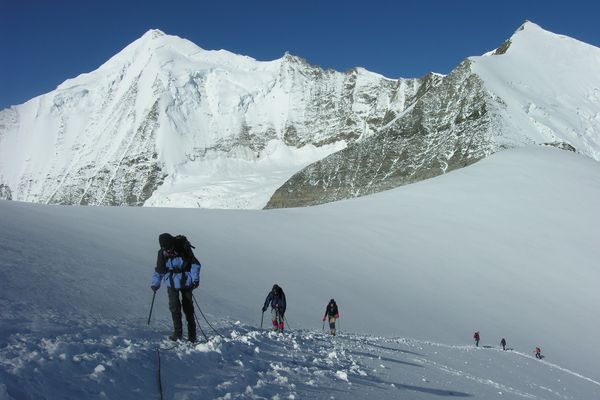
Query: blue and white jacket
[{"x": 176, "y": 272}]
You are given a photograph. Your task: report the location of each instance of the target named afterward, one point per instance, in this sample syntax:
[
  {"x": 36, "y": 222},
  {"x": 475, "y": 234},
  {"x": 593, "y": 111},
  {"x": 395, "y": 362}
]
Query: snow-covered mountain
[
  {"x": 538, "y": 87},
  {"x": 166, "y": 123},
  {"x": 507, "y": 246}
]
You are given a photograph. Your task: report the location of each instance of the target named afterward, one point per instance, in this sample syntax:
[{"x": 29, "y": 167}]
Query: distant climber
[
  {"x": 331, "y": 312},
  {"x": 476, "y": 337},
  {"x": 276, "y": 298},
  {"x": 180, "y": 269},
  {"x": 503, "y": 344},
  {"x": 538, "y": 353}
]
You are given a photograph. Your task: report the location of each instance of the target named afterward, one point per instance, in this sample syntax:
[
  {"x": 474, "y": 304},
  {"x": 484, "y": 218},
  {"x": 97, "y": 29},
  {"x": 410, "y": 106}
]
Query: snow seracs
[
  {"x": 537, "y": 87},
  {"x": 166, "y": 123}
]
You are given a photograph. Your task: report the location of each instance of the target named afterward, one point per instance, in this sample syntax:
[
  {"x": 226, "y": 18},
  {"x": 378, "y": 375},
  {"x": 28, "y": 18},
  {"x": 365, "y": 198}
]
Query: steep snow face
[
  {"x": 548, "y": 86},
  {"x": 537, "y": 87},
  {"x": 166, "y": 123},
  {"x": 507, "y": 246}
]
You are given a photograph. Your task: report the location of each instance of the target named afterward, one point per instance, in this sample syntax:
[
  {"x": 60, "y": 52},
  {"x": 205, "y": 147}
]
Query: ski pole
[
  {"x": 151, "y": 307},
  {"x": 261, "y": 319},
  {"x": 323, "y": 326}
]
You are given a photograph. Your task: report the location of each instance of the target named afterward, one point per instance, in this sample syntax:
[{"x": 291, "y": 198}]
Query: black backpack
[{"x": 184, "y": 248}]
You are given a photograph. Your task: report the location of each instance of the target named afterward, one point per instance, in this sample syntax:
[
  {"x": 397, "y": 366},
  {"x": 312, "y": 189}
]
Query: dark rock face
[
  {"x": 5, "y": 192},
  {"x": 448, "y": 127},
  {"x": 562, "y": 146}
]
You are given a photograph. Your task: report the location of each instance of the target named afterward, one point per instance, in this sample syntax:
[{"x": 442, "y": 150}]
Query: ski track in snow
[{"x": 88, "y": 358}]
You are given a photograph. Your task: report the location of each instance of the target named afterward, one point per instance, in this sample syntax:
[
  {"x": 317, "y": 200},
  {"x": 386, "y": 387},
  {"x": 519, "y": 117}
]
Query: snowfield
[{"x": 507, "y": 246}]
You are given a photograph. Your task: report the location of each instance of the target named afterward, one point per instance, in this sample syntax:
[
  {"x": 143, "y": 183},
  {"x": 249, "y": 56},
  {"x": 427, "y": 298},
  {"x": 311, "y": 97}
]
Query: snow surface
[
  {"x": 507, "y": 246},
  {"x": 549, "y": 87}
]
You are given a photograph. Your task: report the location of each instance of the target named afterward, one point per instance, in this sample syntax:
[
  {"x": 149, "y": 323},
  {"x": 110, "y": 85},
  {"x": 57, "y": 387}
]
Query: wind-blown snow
[{"x": 507, "y": 246}]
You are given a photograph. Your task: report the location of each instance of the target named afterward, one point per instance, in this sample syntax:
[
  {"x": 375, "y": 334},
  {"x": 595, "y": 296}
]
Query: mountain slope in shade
[
  {"x": 538, "y": 87},
  {"x": 507, "y": 246},
  {"x": 166, "y": 123}
]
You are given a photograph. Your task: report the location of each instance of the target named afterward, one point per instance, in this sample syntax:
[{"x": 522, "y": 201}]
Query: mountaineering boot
[
  {"x": 178, "y": 329},
  {"x": 191, "y": 331}
]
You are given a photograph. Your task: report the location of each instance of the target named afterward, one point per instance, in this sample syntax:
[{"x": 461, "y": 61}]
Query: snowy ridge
[
  {"x": 536, "y": 88},
  {"x": 548, "y": 89},
  {"x": 167, "y": 123},
  {"x": 506, "y": 246}
]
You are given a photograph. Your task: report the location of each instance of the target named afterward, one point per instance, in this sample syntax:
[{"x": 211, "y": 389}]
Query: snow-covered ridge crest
[
  {"x": 548, "y": 87},
  {"x": 537, "y": 87},
  {"x": 167, "y": 123}
]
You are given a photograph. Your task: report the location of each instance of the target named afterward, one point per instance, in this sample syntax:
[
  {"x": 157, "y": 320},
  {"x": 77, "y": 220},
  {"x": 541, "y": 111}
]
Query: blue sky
[{"x": 45, "y": 42}]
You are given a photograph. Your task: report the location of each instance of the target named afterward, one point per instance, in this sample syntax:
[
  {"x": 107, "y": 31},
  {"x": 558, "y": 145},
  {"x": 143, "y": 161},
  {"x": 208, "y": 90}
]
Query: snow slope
[
  {"x": 548, "y": 86},
  {"x": 167, "y": 123},
  {"x": 507, "y": 246}
]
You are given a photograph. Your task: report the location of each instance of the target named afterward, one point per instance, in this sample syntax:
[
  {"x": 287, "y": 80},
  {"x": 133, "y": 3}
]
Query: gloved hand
[
  {"x": 153, "y": 287},
  {"x": 337, "y": 316},
  {"x": 323, "y": 318},
  {"x": 264, "y": 309},
  {"x": 195, "y": 285}
]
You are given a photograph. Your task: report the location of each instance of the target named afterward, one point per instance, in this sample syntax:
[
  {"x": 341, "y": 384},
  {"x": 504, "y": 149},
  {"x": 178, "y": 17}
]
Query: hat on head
[{"x": 166, "y": 241}]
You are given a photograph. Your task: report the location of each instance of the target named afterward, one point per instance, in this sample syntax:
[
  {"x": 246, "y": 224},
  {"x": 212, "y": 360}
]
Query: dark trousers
[{"x": 175, "y": 306}]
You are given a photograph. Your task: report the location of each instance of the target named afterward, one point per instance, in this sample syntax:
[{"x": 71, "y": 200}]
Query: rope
[
  {"x": 286, "y": 321},
  {"x": 160, "y": 388},
  {"x": 203, "y": 316},
  {"x": 199, "y": 327}
]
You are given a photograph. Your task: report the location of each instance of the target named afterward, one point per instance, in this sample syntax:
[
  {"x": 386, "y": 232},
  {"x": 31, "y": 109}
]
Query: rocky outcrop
[{"x": 449, "y": 127}]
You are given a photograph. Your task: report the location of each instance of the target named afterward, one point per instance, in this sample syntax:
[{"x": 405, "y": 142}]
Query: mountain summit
[
  {"x": 167, "y": 123},
  {"x": 537, "y": 87}
]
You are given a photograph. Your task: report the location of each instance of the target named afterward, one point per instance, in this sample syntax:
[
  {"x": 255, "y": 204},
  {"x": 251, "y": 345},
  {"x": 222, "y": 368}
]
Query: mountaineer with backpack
[
  {"x": 276, "y": 298},
  {"x": 476, "y": 337},
  {"x": 180, "y": 269},
  {"x": 331, "y": 311}
]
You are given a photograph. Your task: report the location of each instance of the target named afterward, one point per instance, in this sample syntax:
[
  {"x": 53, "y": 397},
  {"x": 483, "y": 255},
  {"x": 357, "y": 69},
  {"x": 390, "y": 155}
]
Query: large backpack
[{"x": 184, "y": 248}]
